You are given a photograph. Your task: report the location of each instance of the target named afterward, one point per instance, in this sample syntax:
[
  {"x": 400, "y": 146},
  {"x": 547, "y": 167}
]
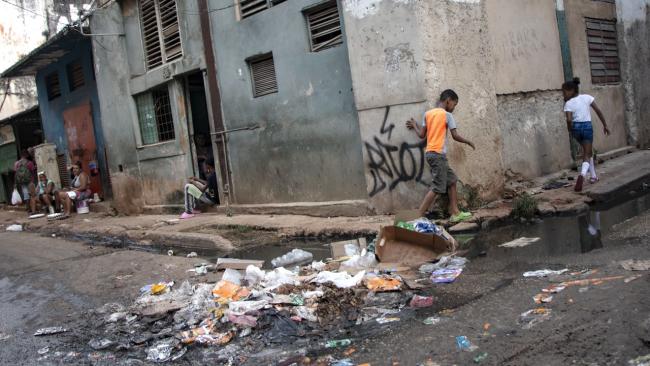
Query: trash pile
[{"x": 251, "y": 311}]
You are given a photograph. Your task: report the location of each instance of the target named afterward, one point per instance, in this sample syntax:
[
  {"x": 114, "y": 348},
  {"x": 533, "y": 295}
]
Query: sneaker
[
  {"x": 186, "y": 215},
  {"x": 593, "y": 180},
  {"x": 463, "y": 216},
  {"x": 579, "y": 182}
]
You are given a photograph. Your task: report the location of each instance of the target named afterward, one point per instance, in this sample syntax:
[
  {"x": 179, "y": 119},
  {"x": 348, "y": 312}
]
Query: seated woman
[
  {"x": 79, "y": 191},
  {"x": 198, "y": 189},
  {"x": 44, "y": 194}
]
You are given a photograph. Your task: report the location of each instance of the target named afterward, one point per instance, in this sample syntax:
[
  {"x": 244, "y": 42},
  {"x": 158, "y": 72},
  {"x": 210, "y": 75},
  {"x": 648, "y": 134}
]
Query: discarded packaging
[
  {"x": 192, "y": 255},
  {"x": 445, "y": 262},
  {"x": 339, "y": 279},
  {"x": 640, "y": 361},
  {"x": 382, "y": 284},
  {"x": 232, "y": 276},
  {"x": 464, "y": 344},
  {"x": 15, "y": 228},
  {"x": 100, "y": 344},
  {"x": 544, "y": 273},
  {"x": 387, "y": 320},
  {"x": 432, "y": 320},
  {"x": 338, "y": 343},
  {"x": 445, "y": 275},
  {"x": 160, "y": 352},
  {"x": 364, "y": 260},
  {"x": 295, "y": 256},
  {"x": 542, "y": 298},
  {"x": 554, "y": 289},
  {"x": 232, "y": 263},
  {"x": 518, "y": 243},
  {"x": 636, "y": 265},
  {"x": 228, "y": 291},
  {"x": 411, "y": 248},
  {"x": 49, "y": 331},
  {"x": 347, "y": 248},
  {"x": 243, "y": 320},
  {"x": 530, "y": 318},
  {"x": 480, "y": 358},
  {"x": 243, "y": 307},
  {"x": 421, "y": 301}
]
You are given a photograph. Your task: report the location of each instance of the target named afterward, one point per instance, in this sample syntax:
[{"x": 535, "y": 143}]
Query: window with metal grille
[
  {"x": 251, "y": 7},
  {"x": 75, "y": 75},
  {"x": 263, "y": 75},
  {"x": 53, "y": 86},
  {"x": 603, "y": 51},
  {"x": 160, "y": 32},
  {"x": 155, "y": 116},
  {"x": 324, "y": 26}
]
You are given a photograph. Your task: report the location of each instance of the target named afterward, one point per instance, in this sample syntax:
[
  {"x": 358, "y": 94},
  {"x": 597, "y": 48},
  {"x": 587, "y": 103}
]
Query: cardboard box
[
  {"x": 398, "y": 245},
  {"x": 338, "y": 248}
]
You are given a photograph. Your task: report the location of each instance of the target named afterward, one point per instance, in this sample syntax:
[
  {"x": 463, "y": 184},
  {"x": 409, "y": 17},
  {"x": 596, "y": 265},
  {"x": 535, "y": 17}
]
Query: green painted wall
[{"x": 8, "y": 157}]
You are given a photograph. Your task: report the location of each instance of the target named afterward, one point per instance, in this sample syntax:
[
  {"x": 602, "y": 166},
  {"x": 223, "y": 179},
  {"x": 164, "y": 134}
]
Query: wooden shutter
[
  {"x": 171, "y": 36},
  {"x": 150, "y": 34},
  {"x": 53, "y": 86},
  {"x": 603, "y": 51},
  {"x": 263, "y": 76},
  {"x": 324, "y": 27},
  {"x": 75, "y": 75}
]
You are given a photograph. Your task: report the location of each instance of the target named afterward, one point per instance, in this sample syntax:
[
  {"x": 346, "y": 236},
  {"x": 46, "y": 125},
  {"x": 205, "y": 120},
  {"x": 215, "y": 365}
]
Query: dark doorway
[{"x": 199, "y": 124}]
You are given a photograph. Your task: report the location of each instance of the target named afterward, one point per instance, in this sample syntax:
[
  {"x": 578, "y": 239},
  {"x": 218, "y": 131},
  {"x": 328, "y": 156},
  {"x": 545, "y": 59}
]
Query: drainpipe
[
  {"x": 219, "y": 139},
  {"x": 564, "y": 39},
  {"x": 565, "y": 49}
]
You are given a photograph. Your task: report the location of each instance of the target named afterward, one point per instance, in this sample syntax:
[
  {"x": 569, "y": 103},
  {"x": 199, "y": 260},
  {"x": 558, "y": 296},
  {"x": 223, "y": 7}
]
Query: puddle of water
[{"x": 561, "y": 235}]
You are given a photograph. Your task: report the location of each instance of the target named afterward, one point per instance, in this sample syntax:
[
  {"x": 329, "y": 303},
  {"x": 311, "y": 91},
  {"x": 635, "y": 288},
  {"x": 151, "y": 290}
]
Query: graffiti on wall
[{"x": 392, "y": 163}]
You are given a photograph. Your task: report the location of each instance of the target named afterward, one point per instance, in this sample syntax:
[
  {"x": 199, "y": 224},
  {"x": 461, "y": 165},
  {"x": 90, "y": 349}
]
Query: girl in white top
[{"x": 578, "y": 120}]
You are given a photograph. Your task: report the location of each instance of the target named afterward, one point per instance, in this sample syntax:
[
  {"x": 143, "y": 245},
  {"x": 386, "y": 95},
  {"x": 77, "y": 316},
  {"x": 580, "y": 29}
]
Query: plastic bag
[
  {"x": 340, "y": 279},
  {"x": 15, "y": 198}
]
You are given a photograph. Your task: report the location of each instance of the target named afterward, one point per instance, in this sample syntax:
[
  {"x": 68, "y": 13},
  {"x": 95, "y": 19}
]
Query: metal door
[{"x": 78, "y": 124}]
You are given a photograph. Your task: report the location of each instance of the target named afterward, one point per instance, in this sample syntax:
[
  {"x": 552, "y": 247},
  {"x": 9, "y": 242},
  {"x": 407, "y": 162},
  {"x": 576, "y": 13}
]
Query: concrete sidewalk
[{"x": 627, "y": 173}]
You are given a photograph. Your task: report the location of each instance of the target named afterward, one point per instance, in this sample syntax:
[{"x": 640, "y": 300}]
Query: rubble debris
[
  {"x": 519, "y": 243},
  {"x": 421, "y": 301},
  {"x": 432, "y": 320},
  {"x": 554, "y": 289},
  {"x": 636, "y": 265},
  {"x": 544, "y": 273},
  {"x": 542, "y": 298},
  {"x": 640, "y": 361},
  {"x": 339, "y": 279},
  {"x": 481, "y": 357},
  {"x": 338, "y": 343},
  {"x": 49, "y": 331}
]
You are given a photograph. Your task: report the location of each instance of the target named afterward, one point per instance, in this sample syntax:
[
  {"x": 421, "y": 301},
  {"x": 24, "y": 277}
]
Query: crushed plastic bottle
[{"x": 293, "y": 257}]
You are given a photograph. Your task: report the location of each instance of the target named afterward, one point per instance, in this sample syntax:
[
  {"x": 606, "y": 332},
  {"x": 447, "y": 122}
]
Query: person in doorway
[
  {"x": 198, "y": 189},
  {"x": 46, "y": 194},
  {"x": 434, "y": 127},
  {"x": 577, "y": 108},
  {"x": 79, "y": 190},
  {"x": 25, "y": 171}
]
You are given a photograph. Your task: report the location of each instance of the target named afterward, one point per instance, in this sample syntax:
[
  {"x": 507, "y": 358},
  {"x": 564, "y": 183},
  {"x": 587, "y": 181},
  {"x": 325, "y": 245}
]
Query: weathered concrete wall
[
  {"x": 143, "y": 175},
  {"x": 422, "y": 48},
  {"x": 535, "y": 139},
  {"x": 307, "y": 147},
  {"x": 610, "y": 98},
  {"x": 634, "y": 34},
  {"x": 526, "y": 45}
]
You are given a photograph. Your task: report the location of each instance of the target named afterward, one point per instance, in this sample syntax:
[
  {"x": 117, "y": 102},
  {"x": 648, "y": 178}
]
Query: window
[
  {"x": 324, "y": 27},
  {"x": 603, "y": 51},
  {"x": 155, "y": 116},
  {"x": 53, "y": 86},
  {"x": 607, "y": 1},
  {"x": 160, "y": 32},
  {"x": 75, "y": 75},
  {"x": 250, "y": 7},
  {"x": 263, "y": 75}
]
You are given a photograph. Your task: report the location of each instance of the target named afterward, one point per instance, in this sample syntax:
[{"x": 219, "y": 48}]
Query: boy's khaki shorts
[{"x": 443, "y": 176}]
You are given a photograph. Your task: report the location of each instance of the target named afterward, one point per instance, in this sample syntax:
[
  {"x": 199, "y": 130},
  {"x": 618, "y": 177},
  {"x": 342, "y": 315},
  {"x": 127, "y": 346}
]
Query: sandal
[{"x": 463, "y": 216}]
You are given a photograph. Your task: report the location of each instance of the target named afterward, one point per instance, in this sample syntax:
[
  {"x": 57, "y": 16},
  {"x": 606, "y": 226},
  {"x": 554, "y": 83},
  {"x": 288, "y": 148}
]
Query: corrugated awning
[{"x": 47, "y": 53}]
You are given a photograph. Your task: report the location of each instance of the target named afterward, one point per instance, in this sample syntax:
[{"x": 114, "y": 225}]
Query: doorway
[{"x": 199, "y": 124}]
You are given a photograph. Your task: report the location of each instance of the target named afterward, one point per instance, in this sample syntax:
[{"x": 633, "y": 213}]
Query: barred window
[
  {"x": 75, "y": 75},
  {"x": 160, "y": 32},
  {"x": 251, "y": 7},
  {"x": 263, "y": 75},
  {"x": 603, "y": 51},
  {"x": 155, "y": 116},
  {"x": 324, "y": 26},
  {"x": 53, "y": 86}
]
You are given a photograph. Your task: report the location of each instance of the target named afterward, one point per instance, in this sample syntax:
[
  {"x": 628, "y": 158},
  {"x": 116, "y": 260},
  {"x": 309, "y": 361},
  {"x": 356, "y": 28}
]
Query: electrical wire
[{"x": 31, "y": 11}]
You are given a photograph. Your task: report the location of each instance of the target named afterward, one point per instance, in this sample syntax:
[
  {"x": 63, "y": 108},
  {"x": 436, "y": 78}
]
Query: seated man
[
  {"x": 198, "y": 189},
  {"x": 45, "y": 194},
  {"x": 79, "y": 191}
]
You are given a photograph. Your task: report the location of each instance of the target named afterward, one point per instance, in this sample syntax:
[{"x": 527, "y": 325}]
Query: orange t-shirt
[{"x": 437, "y": 122}]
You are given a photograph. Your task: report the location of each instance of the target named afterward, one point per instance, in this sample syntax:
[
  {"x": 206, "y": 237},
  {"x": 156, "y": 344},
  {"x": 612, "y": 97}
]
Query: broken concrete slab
[{"x": 233, "y": 263}]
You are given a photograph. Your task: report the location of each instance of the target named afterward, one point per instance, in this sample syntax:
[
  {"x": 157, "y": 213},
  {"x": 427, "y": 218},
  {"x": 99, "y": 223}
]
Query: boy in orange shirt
[{"x": 434, "y": 128}]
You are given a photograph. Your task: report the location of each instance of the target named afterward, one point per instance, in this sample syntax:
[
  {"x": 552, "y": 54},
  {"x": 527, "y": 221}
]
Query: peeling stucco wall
[
  {"x": 634, "y": 34},
  {"x": 402, "y": 55}
]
